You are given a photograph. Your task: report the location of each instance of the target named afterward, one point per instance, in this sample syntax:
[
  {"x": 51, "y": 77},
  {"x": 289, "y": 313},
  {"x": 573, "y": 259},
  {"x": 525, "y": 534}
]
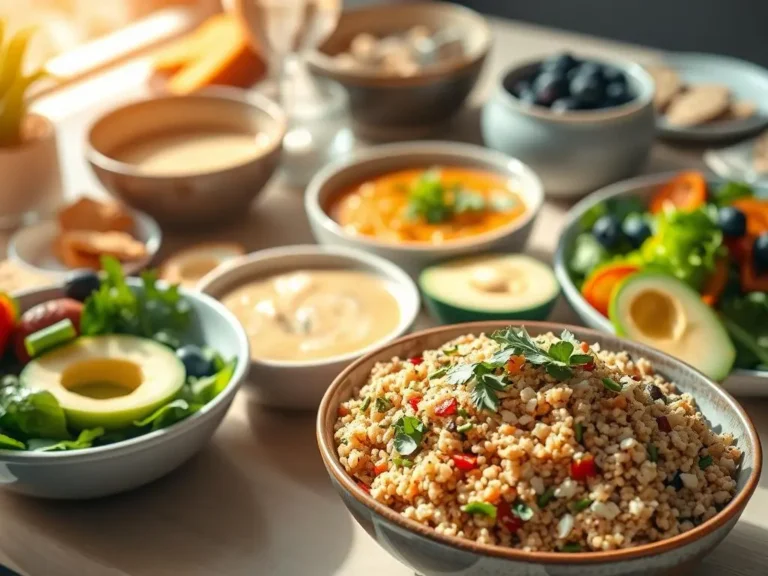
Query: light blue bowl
[
  {"x": 575, "y": 152},
  {"x": 105, "y": 470}
]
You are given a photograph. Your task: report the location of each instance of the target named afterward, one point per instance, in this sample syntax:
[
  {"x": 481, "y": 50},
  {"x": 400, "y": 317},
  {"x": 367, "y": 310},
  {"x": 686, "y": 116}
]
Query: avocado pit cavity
[
  {"x": 498, "y": 279},
  {"x": 657, "y": 315},
  {"x": 102, "y": 378}
]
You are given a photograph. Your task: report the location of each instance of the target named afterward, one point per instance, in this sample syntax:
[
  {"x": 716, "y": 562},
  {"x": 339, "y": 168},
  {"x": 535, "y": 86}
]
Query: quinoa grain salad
[{"x": 542, "y": 444}]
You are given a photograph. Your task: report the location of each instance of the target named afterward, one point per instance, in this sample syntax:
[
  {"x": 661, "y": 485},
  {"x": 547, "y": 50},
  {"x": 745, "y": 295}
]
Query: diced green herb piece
[
  {"x": 54, "y": 335},
  {"x": 439, "y": 373},
  {"x": 612, "y": 385},
  {"x": 546, "y": 497},
  {"x": 8, "y": 443},
  {"x": 409, "y": 431},
  {"x": 404, "y": 462},
  {"x": 705, "y": 462},
  {"x": 464, "y": 427},
  {"x": 463, "y": 413},
  {"x": 483, "y": 508},
  {"x": 653, "y": 452},
  {"x": 366, "y": 403},
  {"x": 580, "y": 505},
  {"x": 451, "y": 351},
  {"x": 382, "y": 404},
  {"x": 522, "y": 510},
  {"x": 571, "y": 547},
  {"x": 579, "y": 429},
  {"x": 727, "y": 192}
]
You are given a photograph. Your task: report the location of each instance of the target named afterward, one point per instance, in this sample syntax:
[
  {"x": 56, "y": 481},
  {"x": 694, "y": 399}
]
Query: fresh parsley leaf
[
  {"x": 522, "y": 510},
  {"x": 483, "y": 396},
  {"x": 460, "y": 374},
  {"x": 483, "y": 508},
  {"x": 467, "y": 201},
  {"x": 463, "y": 413},
  {"x": 580, "y": 505},
  {"x": 705, "y": 462},
  {"x": 559, "y": 372},
  {"x": 580, "y": 359},
  {"x": 439, "y": 373},
  {"x": 404, "y": 462},
  {"x": 579, "y": 432},
  {"x": 382, "y": 404},
  {"x": 561, "y": 351},
  {"x": 546, "y": 497},
  {"x": 409, "y": 432},
  {"x": 653, "y": 452},
  {"x": 428, "y": 199},
  {"x": 612, "y": 385}
]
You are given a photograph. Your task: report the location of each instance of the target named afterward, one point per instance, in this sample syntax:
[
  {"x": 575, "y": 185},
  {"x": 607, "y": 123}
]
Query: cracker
[
  {"x": 698, "y": 105},
  {"x": 668, "y": 85},
  {"x": 87, "y": 247},
  {"x": 90, "y": 214}
]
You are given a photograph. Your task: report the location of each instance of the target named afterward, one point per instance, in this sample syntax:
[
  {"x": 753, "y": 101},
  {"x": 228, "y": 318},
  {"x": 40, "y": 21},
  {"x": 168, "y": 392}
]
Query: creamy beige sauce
[
  {"x": 314, "y": 314},
  {"x": 193, "y": 151}
]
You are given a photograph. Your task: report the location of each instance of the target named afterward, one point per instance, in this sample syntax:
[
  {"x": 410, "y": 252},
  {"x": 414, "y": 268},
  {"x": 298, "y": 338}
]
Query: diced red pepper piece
[
  {"x": 663, "y": 424},
  {"x": 364, "y": 486},
  {"x": 380, "y": 468},
  {"x": 589, "y": 366},
  {"x": 583, "y": 469},
  {"x": 414, "y": 402},
  {"x": 446, "y": 407},
  {"x": 515, "y": 364},
  {"x": 343, "y": 410},
  {"x": 465, "y": 461},
  {"x": 506, "y": 518},
  {"x": 416, "y": 360}
]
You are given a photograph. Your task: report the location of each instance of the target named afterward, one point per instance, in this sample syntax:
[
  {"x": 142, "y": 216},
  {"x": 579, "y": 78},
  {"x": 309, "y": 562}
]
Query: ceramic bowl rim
[
  {"x": 151, "y": 439},
  {"x": 393, "y": 273},
  {"x": 332, "y": 464},
  {"x": 495, "y": 162},
  {"x": 325, "y": 64},
  {"x": 213, "y": 95},
  {"x": 627, "y": 187},
  {"x": 578, "y": 117}
]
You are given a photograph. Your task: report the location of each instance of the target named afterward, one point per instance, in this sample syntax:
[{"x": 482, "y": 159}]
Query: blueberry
[
  {"x": 760, "y": 253},
  {"x": 80, "y": 285},
  {"x": 550, "y": 86},
  {"x": 591, "y": 69},
  {"x": 732, "y": 222},
  {"x": 559, "y": 62},
  {"x": 196, "y": 362},
  {"x": 613, "y": 75},
  {"x": 588, "y": 89},
  {"x": 617, "y": 94},
  {"x": 527, "y": 97},
  {"x": 565, "y": 105},
  {"x": 607, "y": 231},
  {"x": 521, "y": 87},
  {"x": 636, "y": 229}
]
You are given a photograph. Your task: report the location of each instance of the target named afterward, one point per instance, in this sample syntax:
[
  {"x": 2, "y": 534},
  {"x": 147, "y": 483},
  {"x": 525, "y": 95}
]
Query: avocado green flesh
[
  {"x": 667, "y": 314},
  {"x": 451, "y": 296},
  {"x": 108, "y": 381}
]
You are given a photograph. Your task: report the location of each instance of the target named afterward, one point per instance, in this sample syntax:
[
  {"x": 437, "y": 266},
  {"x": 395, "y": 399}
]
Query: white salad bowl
[
  {"x": 740, "y": 382},
  {"x": 301, "y": 384},
  {"x": 105, "y": 470}
]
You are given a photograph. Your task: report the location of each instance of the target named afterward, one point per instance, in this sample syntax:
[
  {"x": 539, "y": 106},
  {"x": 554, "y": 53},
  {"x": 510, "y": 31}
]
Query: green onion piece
[
  {"x": 611, "y": 384},
  {"x": 483, "y": 508},
  {"x": 49, "y": 337},
  {"x": 522, "y": 510},
  {"x": 580, "y": 505},
  {"x": 546, "y": 497},
  {"x": 705, "y": 462},
  {"x": 464, "y": 427},
  {"x": 366, "y": 403},
  {"x": 463, "y": 413},
  {"x": 438, "y": 373},
  {"x": 653, "y": 452},
  {"x": 405, "y": 462},
  {"x": 382, "y": 404},
  {"x": 451, "y": 351},
  {"x": 571, "y": 547},
  {"x": 579, "y": 429}
]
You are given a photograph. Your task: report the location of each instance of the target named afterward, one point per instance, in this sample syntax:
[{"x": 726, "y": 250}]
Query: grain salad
[{"x": 542, "y": 444}]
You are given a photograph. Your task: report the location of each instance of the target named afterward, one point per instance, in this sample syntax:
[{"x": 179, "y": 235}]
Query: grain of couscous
[{"x": 541, "y": 444}]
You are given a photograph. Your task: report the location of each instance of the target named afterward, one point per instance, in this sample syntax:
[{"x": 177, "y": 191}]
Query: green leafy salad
[{"x": 104, "y": 364}]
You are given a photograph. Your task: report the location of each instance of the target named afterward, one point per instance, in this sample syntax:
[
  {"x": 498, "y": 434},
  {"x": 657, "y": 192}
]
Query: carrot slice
[
  {"x": 756, "y": 211},
  {"x": 686, "y": 191},
  {"x": 598, "y": 287},
  {"x": 715, "y": 284}
]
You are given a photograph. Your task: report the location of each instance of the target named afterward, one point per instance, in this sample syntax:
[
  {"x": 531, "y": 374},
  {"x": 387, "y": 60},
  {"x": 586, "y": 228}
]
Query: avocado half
[
  {"x": 665, "y": 313},
  {"x": 107, "y": 381},
  {"x": 452, "y": 295}
]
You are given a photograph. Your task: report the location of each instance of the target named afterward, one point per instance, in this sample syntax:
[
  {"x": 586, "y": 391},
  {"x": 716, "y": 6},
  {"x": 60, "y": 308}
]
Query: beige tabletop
[{"x": 257, "y": 499}]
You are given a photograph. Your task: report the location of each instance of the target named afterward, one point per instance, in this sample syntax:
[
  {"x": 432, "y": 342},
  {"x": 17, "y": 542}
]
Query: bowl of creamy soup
[
  {"x": 195, "y": 159},
  {"x": 309, "y": 311},
  {"x": 421, "y": 202}
]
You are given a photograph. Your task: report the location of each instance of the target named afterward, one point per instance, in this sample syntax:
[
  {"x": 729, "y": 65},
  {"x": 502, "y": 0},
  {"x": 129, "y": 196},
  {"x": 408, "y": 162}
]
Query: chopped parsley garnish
[
  {"x": 438, "y": 373},
  {"x": 611, "y": 384},
  {"x": 571, "y": 547},
  {"x": 464, "y": 427},
  {"x": 382, "y": 404},
  {"x": 580, "y": 505},
  {"x": 432, "y": 200},
  {"x": 409, "y": 431},
  {"x": 463, "y": 413},
  {"x": 483, "y": 508},
  {"x": 579, "y": 430},
  {"x": 522, "y": 510},
  {"x": 451, "y": 351},
  {"x": 366, "y": 403},
  {"x": 653, "y": 452},
  {"x": 404, "y": 462},
  {"x": 705, "y": 462},
  {"x": 546, "y": 497}
]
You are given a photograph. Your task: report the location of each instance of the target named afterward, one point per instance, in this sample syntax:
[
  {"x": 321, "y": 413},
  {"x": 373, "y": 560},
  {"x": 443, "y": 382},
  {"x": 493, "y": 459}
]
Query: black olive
[
  {"x": 451, "y": 426},
  {"x": 655, "y": 392},
  {"x": 565, "y": 105},
  {"x": 588, "y": 89},
  {"x": 550, "y": 86},
  {"x": 617, "y": 94},
  {"x": 80, "y": 285},
  {"x": 606, "y": 231},
  {"x": 560, "y": 62},
  {"x": 760, "y": 252},
  {"x": 732, "y": 222},
  {"x": 676, "y": 482},
  {"x": 636, "y": 229}
]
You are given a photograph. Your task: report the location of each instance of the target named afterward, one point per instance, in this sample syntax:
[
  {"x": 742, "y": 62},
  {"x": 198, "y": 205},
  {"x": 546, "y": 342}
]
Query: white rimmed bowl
[
  {"x": 106, "y": 470},
  {"x": 301, "y": 385},
  {"x": 574, "y": 152},
  {"x": 414, "y": 257}
]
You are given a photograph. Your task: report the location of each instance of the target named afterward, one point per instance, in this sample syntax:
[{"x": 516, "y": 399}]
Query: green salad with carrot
[{"x": 694, "y": 255}]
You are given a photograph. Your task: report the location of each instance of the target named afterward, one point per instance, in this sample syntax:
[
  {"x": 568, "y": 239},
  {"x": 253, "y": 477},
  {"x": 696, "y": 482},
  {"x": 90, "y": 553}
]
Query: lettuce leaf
[
  {"x": 746, "y": 319},
  {"x": 8, "y": 443},
  {"x": 84, "y": 440},
  {"x": 168, "y": 414},
  {"x": 26, "y": 413}
]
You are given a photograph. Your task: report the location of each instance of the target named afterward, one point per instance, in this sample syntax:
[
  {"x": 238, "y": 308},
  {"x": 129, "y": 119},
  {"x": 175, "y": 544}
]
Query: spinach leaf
[
  {"x": 746, "y": 319},
  {"x": 26, "y": 413},
  {"x": 84, "y": 440},
  {"x": 8, "y": 443},
  {"x": 168, "y": 414}
]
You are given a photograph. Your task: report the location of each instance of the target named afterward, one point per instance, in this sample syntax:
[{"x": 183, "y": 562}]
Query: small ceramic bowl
[
  {"x": 574, "y": 152},
  {"x": 432, "y": 554},
  {"x": 740, "y": 382},
  {"x": 106, "y": 470},
  {"x": 33, "y": 246},
  {"x": 301, "y": 384},
  {"x": 210, "y": 197},
  {"x": 373, "y": 162},
  {"x": 399, "y": 107}
]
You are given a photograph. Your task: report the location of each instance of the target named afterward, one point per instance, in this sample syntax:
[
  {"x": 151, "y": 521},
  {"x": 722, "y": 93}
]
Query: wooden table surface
[{"x": 257, "y": 500}]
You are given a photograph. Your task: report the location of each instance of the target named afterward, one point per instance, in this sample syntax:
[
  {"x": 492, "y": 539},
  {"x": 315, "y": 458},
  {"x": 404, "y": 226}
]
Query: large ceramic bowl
[
  {"x": 740, "y": 382},
  {"x": 433, "y": 554},
  {"x": 397, "y": 107},
  {"x": 210, "y": 197},
  {"x": 301, "y": 384},
  {"x": 340, "y": 176},
  {"x": 574, "y": 152},
  {"x": 101, "y": 471}
]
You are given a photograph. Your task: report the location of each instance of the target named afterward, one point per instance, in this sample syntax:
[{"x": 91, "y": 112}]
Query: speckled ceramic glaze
[
  {"x": 432, "y": 554},
  {"x": 740, "y": 382},
  {"x": 114, "y": 468},
  {"x": 579, "y": 151}
]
